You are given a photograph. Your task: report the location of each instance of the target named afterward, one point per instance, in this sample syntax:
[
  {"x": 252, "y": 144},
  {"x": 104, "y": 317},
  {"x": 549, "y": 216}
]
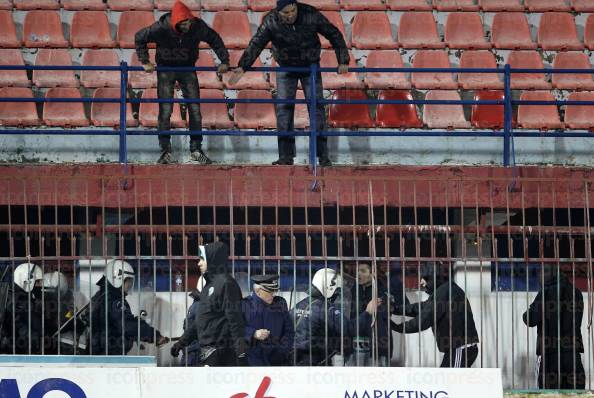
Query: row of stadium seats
[
  {"x": 332, "y": 81},
  {"x": 334, "y": 5},
  {"x": 370, "y": 30},
  {"x": 262, "y": 116}
]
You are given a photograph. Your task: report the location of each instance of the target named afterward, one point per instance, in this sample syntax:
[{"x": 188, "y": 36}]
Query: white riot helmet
[
  {"x": 118, "y": 271},
  {"x": 25, "y": 276},
  {"x": 200, "y": 284},
  {"x": 327, "y": 281},
  {"x": 56, "y": 281}
]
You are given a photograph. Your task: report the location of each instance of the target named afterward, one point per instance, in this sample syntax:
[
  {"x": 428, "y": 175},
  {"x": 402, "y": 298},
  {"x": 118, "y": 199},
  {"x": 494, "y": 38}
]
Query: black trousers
[
  {"x": 460, "y": 357},
  {"x": 188, "y": 81},
  {"x": 221, "y": 357},
  {"x": 561, "y": 372}
]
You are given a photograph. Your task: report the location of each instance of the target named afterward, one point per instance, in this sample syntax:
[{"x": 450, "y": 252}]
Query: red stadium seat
[
  {"x": 18, "y": 113},
  {"x": 13, "y": 78},
  {"x": 261, "y": 5},
  {"x": 36, "y": 4},
  {"x": 437, "y": 116},
  {"x": 8, "y": 36},
  {"x": 90, "y": 29},
  {"x": 589, "y": 32},
  {"x": 479, "y": 59},
  {"x": 557, "y": 31},
  {"x": 574, "y": 81},
  {"x": 488, "y": 116},
  {"x": 60, "y": 114},
  {"x": 54, "y": 78},
  {"x": 130, "y": 5},
  {"x": 432, "y": 59},
  {"x": 500, "y": 5},
  {"x": 100, "y": 78},
  {"x": 380, "y": 80},
  {"x": 335, "y": 19},
  {"x": 327, "y": 5},
  {"x": 6, "y": 5},
  {"x": 582, "y": 5},
  {"x": 349, "y": 116},
  {"x": 43, "y": 29},
  {"x": 251, "y": 80},
  {"x": 368, "y": 5},
  {"x": 80, "y": 5},
  {"x": 397, "y": 116},
  {"x": 527, "y": 60},
  {"x": 208, "y": 79},
  {"x": 167, "y": 5},
  {"x": 510, "y": 31},
  {"x": 332, "y": 80},
  {"x": 214, "y": 116},
  {"x": 580, "y": 116},
  {"x": 465, "y": 30},
  {"x": 254, "y": 115},
  {"x": 418, "y": 30},
  {"x": 372, "y": 30},
  {"x": 546, "y": 5},
  {"x": 224, "y": 5},
  {"x": 542, "y": 117},
  {"x": 409, "y": 5},
  {"x": 455, "y": 5},
  {"x": 107, "y": 114},
  {"x": 130, "y": 23},
  {"x": 149, "y": 112},
  {"x": 142, "y": 79},
  {"x": 234, "y": 28},
  {"x": 301, "y": 116}
]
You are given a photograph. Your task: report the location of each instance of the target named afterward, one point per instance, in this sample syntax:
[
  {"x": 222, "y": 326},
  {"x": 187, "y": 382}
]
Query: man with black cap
[
  {"x": 293, "y": 29},
  {"x": 447, "y": 312},
  {"x": 269, "y": 329},
  {"x": 178, "y": 35}
]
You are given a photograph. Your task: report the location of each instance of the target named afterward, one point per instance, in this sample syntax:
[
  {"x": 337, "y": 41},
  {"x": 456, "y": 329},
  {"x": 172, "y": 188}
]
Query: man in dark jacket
[
  {"x": 447, "y": 312},
  {"x": 293, "y": 30},
  {"x": 269, "y": 327},
  {"x": 557, "y": 312},
  {"x": 178, "y": 35},
  {"x": 189, "y": 340},
  {"x": 114, "y": 328}
]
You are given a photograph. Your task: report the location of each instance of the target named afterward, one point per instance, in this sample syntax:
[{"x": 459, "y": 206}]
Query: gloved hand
[
  {"x": 175, "y": 349},
  {"x": 242, "y": 360}
]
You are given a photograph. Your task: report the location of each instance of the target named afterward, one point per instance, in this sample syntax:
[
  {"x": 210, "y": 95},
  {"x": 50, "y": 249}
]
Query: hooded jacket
[
  {"x": 175, "y": 48},
  {"x": 297, "y": 44},
  {"x": 446, "y": 308}
]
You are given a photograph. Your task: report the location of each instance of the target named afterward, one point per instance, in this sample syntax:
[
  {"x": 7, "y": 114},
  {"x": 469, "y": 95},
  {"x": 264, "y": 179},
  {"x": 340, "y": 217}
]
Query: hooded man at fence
[
  {"x": 293, "y": 29},
  {"x": 178, "y": 35},
  {"x": 447, "y": 312},
  {"x": 219, "y": 324},
  {"x": 557, "y": 312},
  {"x": 114, "y": 328},
  {"x": 188, "y": 342}
]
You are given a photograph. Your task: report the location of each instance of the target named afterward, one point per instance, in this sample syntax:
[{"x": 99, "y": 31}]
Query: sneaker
[
  {"x": 166, "y": 158},
  {"x": 283, "y": 162},
  {"x": 200, "y": 157},
  {"x": 325, "y": 161}
]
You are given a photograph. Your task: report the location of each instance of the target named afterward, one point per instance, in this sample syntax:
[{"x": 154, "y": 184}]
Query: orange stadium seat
[
  {"x": 8, "y": 36},
  {"x": 580, "y": 116},
  {"x": 54, "y": 78},
  {"x": 251, "y": 80},
  {"x": 13, "y": 78},
  {"x": 425, "y": 80},
  {"x": 372, "y": 30},
  {"x": 261, "y": 5},
  {"x": 557, "y": 31},
  {"x": 36, "y": 4},
  {"x": 130, "y": 5},
  {"x": 510, "y": 31},
  {"x": 542, "y": 117},
  {"x": 547, "y": 5},
  {"x": 527, "y": 60},
  {"x": 90, "y": 29},
  {"x": 6, "y": 5},
  {"x": 349, "y": 116},
  {"x": 60, "y": 114},
  {"x": 465, "y": 30},
  {"x": 335, "y": 19},
  {"x": 130, "y": 23},
  {"x": 107, "y": 114},
  {"x": 43, "y": 29},
  {"x": 254, "y": 115},
  {"x": 582, "y": 5},
  {"x": 142, "y": 79},
  {"x": 332, "y": 80},
  {"x": 381, "y": 80},
  {"x": 589, "y": 32},
  {"x": 233, "y": 27},
  {"x": 89, "y": 5},
  {"x": 409, "y": 5},
  {"x": 18, "y": 113},
  {"x": 438, "y": 116},
  {"x": 301, "y": 116},
  {"x": 149, "y": 111},
  {"x": 573, "y": 81},
  {"x": 100, "y": 78},
  {"x": 214, "y": 116},
  {"x": 328, "y": 5},
  {"x": 473, "y": 81},
  {"x": 356, "y": 5},
  {"x": 455, "y": 5},
  {"x": 418, "y": 30},
  {"x": 488, "y": 116},
  {"x": 208, "y": 79},
  {"x": 224, "y": 5},
  {"x": 500, "y": 5},
  {"x": 395, "y": 115}
]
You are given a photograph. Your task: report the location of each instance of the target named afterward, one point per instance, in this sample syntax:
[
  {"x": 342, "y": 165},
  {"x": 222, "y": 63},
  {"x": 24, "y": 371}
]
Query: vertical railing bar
[{"x": 123, "y": 106}]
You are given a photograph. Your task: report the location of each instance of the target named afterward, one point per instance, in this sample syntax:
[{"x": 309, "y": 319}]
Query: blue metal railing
[{"x": 508, "y": 133}]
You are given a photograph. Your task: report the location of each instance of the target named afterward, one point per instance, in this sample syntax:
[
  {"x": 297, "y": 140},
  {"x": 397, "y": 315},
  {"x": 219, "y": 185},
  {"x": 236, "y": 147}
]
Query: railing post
[
  {"x": 123, "y": 105},
  {"x": 507, "y": 115},
  {"x": 313, "y": 117}
]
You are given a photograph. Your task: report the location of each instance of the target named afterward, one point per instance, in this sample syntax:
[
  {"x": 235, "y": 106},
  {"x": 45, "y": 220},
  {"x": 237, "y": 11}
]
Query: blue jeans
[{"x": 286, "y": 88}]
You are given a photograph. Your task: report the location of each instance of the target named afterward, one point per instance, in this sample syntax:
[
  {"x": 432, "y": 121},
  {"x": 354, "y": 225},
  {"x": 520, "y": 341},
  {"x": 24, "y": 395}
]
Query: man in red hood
[{"x": 178, "y": 35}]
